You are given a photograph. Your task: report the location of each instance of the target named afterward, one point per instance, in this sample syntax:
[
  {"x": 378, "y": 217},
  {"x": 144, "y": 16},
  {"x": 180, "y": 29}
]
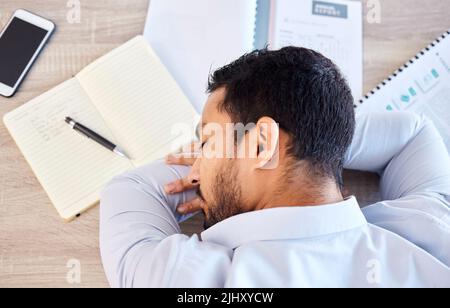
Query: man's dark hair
[{"x": 301, "y": 90}]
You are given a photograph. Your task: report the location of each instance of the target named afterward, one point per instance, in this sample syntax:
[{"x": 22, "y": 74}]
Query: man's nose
[{"x": 194, "y": 174}]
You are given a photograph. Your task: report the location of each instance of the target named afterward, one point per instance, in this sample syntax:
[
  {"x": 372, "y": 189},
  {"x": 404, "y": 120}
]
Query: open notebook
[
  {"x": 126, "y": 96},
  {"x": 194, "y": 37},
  {"x": 422, "y": 86}
]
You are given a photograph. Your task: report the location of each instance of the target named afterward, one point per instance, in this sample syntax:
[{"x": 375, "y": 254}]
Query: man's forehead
[{"x": 212, "y": 112}]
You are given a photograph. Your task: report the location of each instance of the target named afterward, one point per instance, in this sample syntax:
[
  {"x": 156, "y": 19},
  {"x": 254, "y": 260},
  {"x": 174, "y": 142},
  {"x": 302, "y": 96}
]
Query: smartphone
[{"x": 21, "y": 42}]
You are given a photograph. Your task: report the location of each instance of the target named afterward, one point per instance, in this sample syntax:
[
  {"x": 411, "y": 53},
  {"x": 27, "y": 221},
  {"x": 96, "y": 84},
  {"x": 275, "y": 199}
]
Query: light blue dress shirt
[{"x": 403, "y": 241}]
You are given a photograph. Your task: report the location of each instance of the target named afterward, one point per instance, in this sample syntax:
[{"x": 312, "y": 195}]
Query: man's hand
[{"x": 187, "y": 183}]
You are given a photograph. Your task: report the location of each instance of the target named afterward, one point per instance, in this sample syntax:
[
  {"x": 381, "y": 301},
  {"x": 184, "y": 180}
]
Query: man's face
[
  {"x": 235, "y": 161},
  {"x": 220, "y": 185},
  {"x": 225, "y": 174}
]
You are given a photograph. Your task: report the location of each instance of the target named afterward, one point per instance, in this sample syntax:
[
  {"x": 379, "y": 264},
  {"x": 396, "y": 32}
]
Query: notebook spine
[
  {"x": 255, "y": 26},
  {"x": 261, "y": 29},
  {"x": 402, "y": 68}
]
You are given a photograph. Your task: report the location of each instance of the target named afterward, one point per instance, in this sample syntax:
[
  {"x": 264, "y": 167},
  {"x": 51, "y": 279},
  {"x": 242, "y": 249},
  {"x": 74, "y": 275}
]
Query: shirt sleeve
[
  {"x": 412, "y": 160},
  {"x": 140, "y": 240}
]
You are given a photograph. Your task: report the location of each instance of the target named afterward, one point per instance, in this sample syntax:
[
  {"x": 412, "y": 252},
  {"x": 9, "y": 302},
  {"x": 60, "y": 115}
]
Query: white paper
[
  {"x": 194, "y": 37},
  {"x": 311, "y": 24},
  {"x": 423, "y": 88}
]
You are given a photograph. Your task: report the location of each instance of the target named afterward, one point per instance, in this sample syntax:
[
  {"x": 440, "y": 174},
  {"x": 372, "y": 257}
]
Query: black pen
[{"x": 96, "y": 137}]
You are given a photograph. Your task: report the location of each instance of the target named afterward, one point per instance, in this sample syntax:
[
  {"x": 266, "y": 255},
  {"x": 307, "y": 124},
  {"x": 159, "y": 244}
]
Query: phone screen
[{"x": 18, "y": 44}]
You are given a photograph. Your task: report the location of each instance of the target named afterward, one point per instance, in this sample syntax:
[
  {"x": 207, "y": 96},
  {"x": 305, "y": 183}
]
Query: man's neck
[{"x": 301, "y": 193}]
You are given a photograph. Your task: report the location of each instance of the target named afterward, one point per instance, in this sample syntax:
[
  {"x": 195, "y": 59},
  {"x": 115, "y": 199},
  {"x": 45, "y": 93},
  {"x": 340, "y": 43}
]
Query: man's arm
[
  {"x": 405, "y": 149},
  {"x": 139, "y": 233},
  {"x": 409, "y": 154},
  {"x": 135, "y": 212}
]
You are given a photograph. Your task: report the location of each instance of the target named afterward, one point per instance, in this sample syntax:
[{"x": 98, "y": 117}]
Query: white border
[{"x": 40, "y": 22}]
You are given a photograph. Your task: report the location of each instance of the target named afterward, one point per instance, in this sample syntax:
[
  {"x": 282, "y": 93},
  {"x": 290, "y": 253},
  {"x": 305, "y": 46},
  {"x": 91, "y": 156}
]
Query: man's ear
[{"x": 268, "y": 137}]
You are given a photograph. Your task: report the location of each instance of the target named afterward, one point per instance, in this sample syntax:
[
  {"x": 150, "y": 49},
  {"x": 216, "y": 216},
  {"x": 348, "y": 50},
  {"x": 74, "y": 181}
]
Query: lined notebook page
[
  {"x": 139, "y": 100},
  {"x": 71, "y": 168}
]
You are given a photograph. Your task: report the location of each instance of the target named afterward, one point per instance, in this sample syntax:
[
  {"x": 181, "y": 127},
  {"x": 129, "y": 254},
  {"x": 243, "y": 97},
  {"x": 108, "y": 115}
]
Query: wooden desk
[{"x": 35, "y": 245}]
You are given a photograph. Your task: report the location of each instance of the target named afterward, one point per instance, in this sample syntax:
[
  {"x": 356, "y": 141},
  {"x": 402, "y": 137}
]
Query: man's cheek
[{"x": 207, "y": 169}]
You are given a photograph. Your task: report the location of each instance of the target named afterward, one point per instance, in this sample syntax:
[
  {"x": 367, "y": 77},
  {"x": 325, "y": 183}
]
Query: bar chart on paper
[{"x": 421, "y": 86}]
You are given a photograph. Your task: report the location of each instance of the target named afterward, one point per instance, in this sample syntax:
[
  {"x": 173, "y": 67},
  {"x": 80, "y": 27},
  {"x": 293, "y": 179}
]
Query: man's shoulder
[{"x": 412, "y": 225}]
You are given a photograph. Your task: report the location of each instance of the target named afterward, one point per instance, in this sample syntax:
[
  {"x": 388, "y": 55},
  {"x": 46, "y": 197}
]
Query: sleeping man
[{"x": 275, "y": 215}]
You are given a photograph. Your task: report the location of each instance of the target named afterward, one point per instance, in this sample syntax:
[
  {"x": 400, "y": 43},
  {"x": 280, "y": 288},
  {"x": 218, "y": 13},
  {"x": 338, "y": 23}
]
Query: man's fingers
[
  {"x": 186, "y": 156},
  {"x": 190, "y": 207},
  {"x": 180, "y": 185},
  {"x": 181, "y": 159},
  {"x": 193, "y": 147}
]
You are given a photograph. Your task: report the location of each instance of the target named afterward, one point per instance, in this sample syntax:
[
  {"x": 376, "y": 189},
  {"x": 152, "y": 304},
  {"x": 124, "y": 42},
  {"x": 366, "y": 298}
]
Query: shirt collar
[{"x": 286, "y": 223}]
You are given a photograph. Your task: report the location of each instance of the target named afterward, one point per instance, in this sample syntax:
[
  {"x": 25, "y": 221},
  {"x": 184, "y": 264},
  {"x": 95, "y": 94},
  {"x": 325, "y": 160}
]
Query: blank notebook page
[
  {"x": 71, "y": 168},
  {"x": 139, "y": 100}
]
